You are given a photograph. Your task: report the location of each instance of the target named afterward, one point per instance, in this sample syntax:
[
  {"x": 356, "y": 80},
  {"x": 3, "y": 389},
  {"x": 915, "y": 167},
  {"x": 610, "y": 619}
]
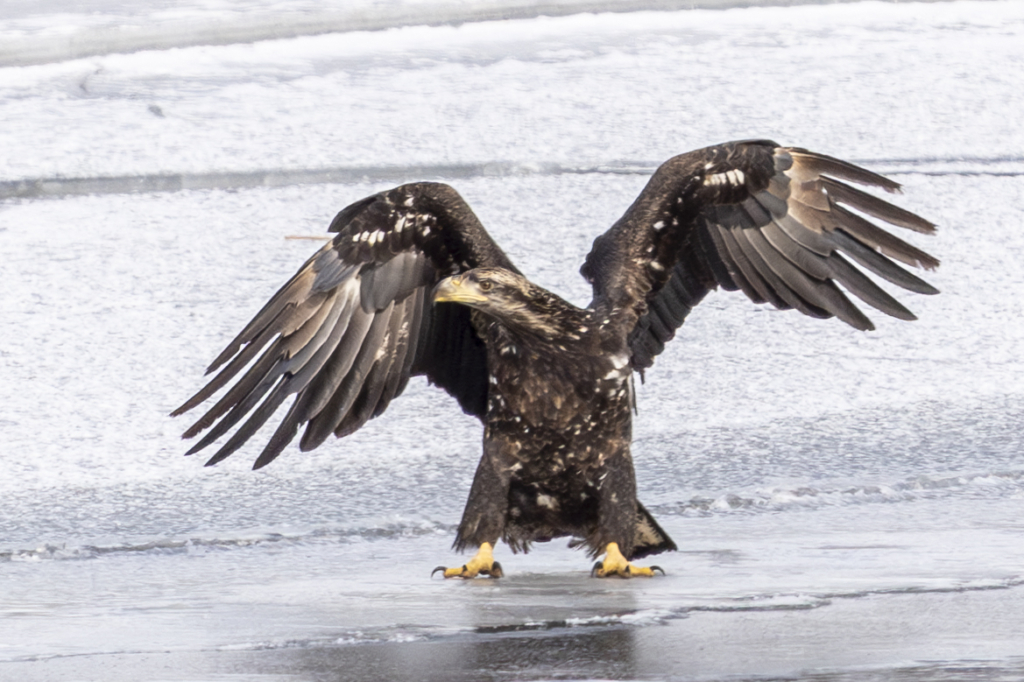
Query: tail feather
[{"x": 650, "y": 538}]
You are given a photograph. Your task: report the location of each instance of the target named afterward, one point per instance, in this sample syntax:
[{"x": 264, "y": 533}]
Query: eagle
[{"x": 412, "y": 284}]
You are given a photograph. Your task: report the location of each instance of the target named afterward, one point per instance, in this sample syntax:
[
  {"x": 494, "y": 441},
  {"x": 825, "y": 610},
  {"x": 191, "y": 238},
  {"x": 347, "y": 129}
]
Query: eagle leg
[
  {"x": 481, "y": 564},
  {"x": 615, "y": 564}
]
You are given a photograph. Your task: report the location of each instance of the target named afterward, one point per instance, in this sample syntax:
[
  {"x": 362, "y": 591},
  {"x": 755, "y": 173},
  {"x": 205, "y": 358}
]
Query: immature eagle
[{"x": 413, "y": 285}]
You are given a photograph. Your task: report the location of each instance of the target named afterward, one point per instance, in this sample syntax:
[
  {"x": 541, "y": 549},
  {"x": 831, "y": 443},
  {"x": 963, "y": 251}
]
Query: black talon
[
  {"x": 439, "y": 568},
  {"x": 496, "y": 571},
  {"x": 658, "y": 568},
  {"x": 597, "y": 567}
]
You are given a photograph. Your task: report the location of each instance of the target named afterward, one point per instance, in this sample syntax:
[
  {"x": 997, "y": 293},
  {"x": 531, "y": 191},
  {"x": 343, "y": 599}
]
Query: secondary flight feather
[{"x": 412, "y": 284}]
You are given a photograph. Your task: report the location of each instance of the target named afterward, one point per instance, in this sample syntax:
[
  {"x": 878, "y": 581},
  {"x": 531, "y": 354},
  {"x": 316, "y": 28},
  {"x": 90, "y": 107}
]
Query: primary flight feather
[{"x": 412, "y": 284}]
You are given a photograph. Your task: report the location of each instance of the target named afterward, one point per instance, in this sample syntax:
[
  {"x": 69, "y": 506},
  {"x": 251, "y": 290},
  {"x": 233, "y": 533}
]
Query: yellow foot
[
  {"x": 615, "y": 564},
  {"x": 481, "y": 564}
]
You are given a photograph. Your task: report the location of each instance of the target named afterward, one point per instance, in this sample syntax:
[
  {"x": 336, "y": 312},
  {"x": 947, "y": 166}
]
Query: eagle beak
[{"x": 457, "y": 290}]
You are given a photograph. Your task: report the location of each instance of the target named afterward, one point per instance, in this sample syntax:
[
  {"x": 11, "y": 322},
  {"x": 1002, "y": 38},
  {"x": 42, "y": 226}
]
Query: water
[{"x": 848, "y": 506}]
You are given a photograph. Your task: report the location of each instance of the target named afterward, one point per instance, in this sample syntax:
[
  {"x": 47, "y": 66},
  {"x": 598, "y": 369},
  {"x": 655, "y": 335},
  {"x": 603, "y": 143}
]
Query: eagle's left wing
[{"x": 772, "y": 221}]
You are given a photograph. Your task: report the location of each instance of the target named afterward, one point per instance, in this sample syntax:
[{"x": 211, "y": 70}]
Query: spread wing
[
  {"x": 355, "y": 322},
  {"x": 774, "y": 222}
]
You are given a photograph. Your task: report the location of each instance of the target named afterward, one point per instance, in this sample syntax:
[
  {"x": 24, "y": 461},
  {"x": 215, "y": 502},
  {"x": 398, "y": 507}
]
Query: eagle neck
[{"x": 545, "y": 323}]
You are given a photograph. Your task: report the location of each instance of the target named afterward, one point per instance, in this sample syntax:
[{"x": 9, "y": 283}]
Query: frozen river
[{"x": 848, "y": 506}]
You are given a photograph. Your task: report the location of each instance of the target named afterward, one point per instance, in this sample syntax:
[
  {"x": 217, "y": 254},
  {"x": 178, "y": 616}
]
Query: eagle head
[
  {"x": 488, "y": 289},
  {"x": 509, "y": 297}
]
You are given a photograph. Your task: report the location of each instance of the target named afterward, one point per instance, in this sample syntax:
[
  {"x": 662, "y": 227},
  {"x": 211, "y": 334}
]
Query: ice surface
[
  {"x": 848, "y": 79},
  {"x": 847, "y": 505},
  {"x": 31, "y": 33}
]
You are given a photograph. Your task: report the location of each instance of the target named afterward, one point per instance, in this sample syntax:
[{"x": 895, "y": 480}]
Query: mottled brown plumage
[{"x": 551, "y": 382}]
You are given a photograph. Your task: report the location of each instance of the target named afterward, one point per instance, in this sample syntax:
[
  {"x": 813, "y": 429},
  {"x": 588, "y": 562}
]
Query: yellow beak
[{"x": 457, "y": 290}]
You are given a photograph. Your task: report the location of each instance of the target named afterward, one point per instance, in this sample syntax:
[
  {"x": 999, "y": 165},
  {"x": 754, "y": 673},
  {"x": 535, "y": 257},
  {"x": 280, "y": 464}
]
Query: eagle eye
[{"x": 486, "y": 285}]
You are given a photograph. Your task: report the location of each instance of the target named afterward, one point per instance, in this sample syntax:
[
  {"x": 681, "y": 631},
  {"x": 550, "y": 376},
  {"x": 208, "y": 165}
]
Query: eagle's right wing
[{"x": 355, "y": 322}]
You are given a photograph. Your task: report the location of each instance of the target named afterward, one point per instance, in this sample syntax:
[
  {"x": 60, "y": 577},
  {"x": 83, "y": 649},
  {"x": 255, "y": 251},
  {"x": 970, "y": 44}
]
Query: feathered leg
[
  {"x": 483, "y": 520},
  {"x": 617, "y": 521}
]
